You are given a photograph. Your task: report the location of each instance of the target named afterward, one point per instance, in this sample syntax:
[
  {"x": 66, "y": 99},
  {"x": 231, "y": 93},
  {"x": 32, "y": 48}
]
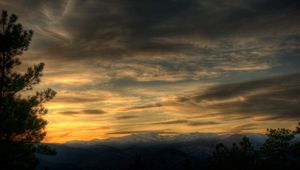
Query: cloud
[
  {"x": 93, "y": 111},
  {"x": 243, "y": 127},
  {"x": 125, "y": 117},
  {"x": 242, "y": 88},
  {"x": 86, "y": 112},
  {"x": 156, "y": 41},
  {"x": 202, "y": 123},
  {"x": 77, "y": 99},
  {"x": 173, "y": 122},
  {"x": 154, "y": 132},
  {"x": 187, "y": 122},
  {"x": 155, "y": 105},
  {"x": 135, "y": 57},
  {"x": 276, "y": 97},
  {"x": 166, "y": 28},
  {"x": 69, "y": 112}
]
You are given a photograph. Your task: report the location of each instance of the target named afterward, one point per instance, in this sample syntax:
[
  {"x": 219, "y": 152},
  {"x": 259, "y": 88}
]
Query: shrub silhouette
[
  {"x": 280, "y": 151},
  {"x": 237, "y": 157},
  {"x": 21, "y": 124}
]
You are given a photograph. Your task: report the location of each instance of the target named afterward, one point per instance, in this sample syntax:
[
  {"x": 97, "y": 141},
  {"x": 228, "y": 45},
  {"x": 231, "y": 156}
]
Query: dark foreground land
[{"x": 143, "y": 151}]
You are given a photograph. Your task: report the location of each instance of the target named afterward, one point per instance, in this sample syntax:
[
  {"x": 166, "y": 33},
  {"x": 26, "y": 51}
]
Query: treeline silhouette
[
  {"x": 21, "y": 126},
  {"x": 279, "y": 152}
]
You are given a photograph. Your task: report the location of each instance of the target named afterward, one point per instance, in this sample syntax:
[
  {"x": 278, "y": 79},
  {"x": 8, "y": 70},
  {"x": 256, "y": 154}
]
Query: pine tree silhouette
[
  {"x": 21, "y": 124},
  {"x": 280, "y": 151}
]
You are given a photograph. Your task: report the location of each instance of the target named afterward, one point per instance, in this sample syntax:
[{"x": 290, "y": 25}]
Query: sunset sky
[{"x": 122, "y": 67}]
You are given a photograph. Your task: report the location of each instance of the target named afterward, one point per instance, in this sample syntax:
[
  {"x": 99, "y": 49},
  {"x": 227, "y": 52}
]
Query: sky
[{"x": 122, "y": 67}]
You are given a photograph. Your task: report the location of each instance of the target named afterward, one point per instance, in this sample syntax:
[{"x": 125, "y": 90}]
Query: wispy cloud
[
  {"x": 87, "y": 112},
  {"x": 125, "y": 117},
  {"x": 194, "y": 64},
  {"x": 146, "y": 106},
  {"x": 188, "y": 122},
  {"x": 276, "y": 97}
]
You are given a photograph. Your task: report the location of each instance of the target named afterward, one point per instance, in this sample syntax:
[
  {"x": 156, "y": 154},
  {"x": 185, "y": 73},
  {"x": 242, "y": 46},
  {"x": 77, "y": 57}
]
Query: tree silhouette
[
  {"x": 237, "y": 157},
  {"x": 21, "y": 124},
  {"x": 280, "y": 151},
  {"x": 276, "y": 151}
]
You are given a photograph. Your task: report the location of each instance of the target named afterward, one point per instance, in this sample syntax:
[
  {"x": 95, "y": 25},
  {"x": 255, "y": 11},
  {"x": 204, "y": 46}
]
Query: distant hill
[{"x": 140, "y": 151}]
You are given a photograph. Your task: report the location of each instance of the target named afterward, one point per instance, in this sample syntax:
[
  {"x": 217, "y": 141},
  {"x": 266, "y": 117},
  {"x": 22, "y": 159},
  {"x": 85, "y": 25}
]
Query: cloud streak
[
  {"x": 187, "y": 122},
  {"x": 84, "y": 112},
  {"x": 276, "y": 97}
]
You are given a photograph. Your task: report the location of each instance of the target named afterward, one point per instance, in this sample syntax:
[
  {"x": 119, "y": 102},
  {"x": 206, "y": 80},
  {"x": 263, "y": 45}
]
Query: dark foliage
[
  {"x": 279, "y": 151},
  {"x": 21, "y": 124},
  {"x": 243, "y": 155}
]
